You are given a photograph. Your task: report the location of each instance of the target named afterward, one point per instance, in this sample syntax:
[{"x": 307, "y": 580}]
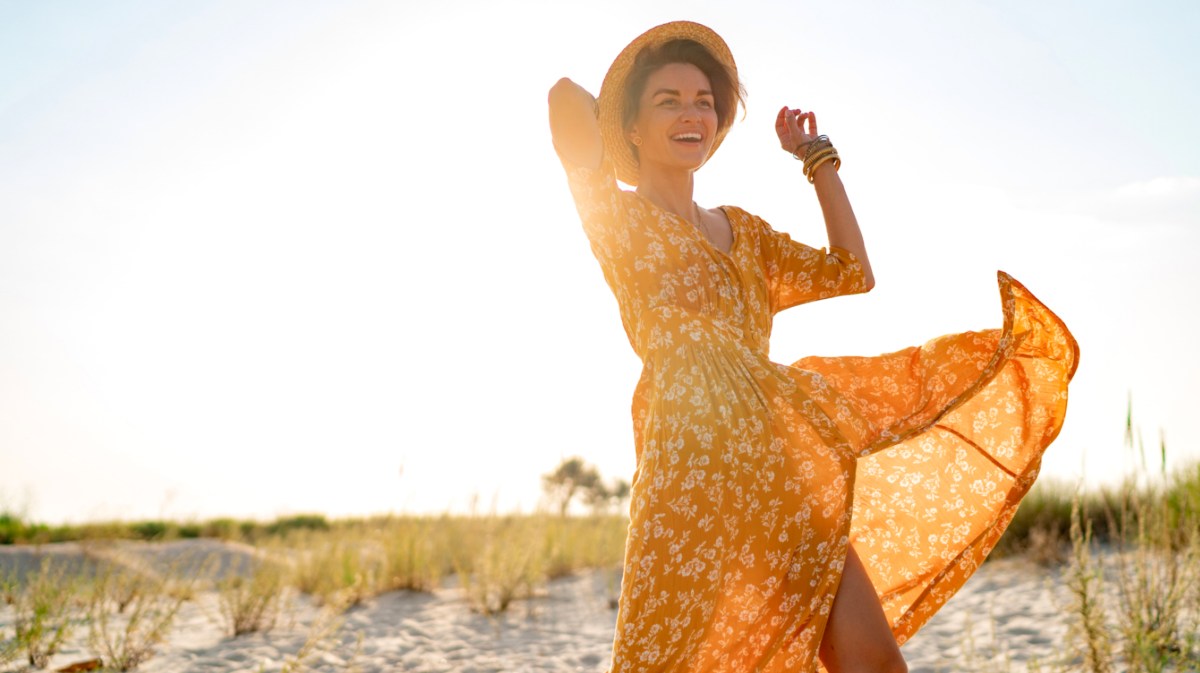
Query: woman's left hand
[{"x": 789, "y": 126}]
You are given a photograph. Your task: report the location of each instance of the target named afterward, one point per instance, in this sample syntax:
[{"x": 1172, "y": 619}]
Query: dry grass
[
  {"x": 131, "y": 611},
  {"x": 413, "y": 552},
  {"x": 1136, "y": 596},
  {"x": 1137, "y": 593},
  {"x": 322, "y": 637},
  {"x": 251, "y": 598},
  {"x": 496, "y": 559},
  {"x": 1135, "y": 589},
  {"x": 337, "y": 568},
  {"x": 357, "y": 560},
  {"x": 42, "y": 608},
  {"x": 500, "y": 561},
  {"x": 1156, "y": 576},
  {"x": 1091, "y": 637},
  {"x": 1039, "y": 530}
]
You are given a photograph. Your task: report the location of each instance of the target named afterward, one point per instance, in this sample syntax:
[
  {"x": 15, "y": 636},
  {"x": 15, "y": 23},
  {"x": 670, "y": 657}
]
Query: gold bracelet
[
  {"x": 837, "y": 162},
  {"x": 812, "y": 174},
  {"x": 811, "y": 161},
  {"x": 819, "y": 143},
  {"x": 825, "y": 152}
]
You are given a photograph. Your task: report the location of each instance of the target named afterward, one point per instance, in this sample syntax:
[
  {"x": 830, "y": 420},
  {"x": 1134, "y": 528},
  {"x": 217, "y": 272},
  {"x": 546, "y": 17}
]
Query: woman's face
[{"x": 677, "y": 119}]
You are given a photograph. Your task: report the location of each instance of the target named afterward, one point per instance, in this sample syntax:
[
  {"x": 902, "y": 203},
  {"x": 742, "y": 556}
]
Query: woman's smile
[{"x": 689, "y": 138}]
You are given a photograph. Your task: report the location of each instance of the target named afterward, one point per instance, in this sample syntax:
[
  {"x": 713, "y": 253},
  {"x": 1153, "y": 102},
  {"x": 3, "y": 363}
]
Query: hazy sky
[{"x": 263, "y": 258}]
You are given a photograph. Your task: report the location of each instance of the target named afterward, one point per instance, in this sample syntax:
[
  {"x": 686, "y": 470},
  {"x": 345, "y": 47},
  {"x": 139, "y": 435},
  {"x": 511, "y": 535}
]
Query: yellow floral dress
[{"x": 753, "y": 476}]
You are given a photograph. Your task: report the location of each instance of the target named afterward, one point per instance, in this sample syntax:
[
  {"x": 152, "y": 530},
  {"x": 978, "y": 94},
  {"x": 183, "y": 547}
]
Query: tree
[
  {"x": 620, "y": 491},
  {"x": 601, "y": 497},
  {"x": 570, "y": 478},
  {"x": 574, "y": 477}
]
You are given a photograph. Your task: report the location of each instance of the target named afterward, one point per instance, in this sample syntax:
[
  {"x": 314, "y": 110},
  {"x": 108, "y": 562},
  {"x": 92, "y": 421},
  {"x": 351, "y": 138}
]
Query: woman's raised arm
[
  {"x": 573, "y": 124},
  {"x": 840, "y": 223}
]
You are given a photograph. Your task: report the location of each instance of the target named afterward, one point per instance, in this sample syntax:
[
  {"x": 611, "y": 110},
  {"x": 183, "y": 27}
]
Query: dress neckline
[{"x": 733, "y": 232}]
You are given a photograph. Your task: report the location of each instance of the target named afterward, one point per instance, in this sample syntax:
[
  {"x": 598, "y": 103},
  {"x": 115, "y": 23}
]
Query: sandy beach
[{"x": 1011, "y": 615}]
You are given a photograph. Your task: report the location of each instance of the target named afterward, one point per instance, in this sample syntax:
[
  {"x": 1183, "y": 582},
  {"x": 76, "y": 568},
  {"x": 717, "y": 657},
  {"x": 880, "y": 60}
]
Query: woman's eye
[{"x": 705, "y": 103}]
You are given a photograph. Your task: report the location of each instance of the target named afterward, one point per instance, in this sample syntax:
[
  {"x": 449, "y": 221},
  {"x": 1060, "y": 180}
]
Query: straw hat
[{"x": 612, "y": 91}]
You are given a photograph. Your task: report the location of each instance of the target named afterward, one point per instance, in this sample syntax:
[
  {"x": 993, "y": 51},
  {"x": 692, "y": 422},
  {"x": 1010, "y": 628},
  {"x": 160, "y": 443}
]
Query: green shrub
[
  {"x": 151, "y": 530},
  {"x": 285, "y": 525}
]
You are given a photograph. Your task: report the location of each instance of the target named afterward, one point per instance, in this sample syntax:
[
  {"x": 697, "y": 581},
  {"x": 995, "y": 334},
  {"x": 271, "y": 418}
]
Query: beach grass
[
  {"x": 322, "y": 636},
  {"x": 1129, "y": 557},
  {"x": 131, "y": 611},
  {"x": 42, "y": 606},
  {"x": 361, "y": 557},
  {"x": 1090, "y": 621},
  {"x": 496, "y": 558},
  {"x": 252, "y": 597}
]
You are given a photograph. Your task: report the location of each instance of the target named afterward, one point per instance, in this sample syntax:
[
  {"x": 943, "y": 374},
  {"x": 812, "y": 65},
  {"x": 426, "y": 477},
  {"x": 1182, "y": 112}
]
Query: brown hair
[{"x": 728, "y": 92}]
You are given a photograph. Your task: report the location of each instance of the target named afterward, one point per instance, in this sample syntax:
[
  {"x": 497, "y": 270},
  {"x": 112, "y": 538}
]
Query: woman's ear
[{"x": 634, "y": 136}]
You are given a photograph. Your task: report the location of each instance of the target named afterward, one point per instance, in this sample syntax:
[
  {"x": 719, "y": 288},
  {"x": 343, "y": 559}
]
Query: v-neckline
[{"x": 734, "y": 238}]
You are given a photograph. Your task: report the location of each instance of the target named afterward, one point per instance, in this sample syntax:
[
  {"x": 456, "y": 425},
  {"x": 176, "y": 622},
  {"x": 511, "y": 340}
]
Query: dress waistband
[{"x": 672, "y": 327}]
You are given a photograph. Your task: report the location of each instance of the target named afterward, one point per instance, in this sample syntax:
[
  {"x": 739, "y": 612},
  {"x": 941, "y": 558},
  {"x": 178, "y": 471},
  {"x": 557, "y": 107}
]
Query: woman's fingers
[
  {"x": 795, "y": 128},
  {"x": 781, "y": 121},
  {"x": 785, "y": 123},
  {"x": 790, "y": 122},
  {"x": 798, "y": 114},
  {"x": 801, "y": 116}
]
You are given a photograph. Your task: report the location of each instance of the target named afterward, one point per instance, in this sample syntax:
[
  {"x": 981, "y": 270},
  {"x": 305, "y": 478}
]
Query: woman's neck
[{"x": 670, "y": 191}]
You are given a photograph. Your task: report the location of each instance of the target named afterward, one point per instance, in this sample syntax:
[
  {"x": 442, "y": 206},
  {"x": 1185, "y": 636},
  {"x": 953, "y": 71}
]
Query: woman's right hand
[
  {"x": 789, "y": 126},
  {"x": 573, "y": 124}
]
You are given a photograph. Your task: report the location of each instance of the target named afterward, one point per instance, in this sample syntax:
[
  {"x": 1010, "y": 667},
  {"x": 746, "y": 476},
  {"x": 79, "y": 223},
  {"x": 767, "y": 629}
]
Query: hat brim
[{"x": 612, "y": 91}]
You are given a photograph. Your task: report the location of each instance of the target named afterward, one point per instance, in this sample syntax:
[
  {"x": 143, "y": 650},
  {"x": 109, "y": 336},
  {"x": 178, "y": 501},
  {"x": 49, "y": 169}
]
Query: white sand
[
  {"x": 1009, "y": 614},
  {"x": 1011, "y": 611}
]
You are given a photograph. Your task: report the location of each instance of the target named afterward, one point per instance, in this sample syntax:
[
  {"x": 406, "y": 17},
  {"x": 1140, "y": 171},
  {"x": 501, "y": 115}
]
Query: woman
[{"x": 742, "y": 553}]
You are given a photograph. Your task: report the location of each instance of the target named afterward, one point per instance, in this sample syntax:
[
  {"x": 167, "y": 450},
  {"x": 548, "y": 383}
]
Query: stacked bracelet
[
  {"x": 811, "y": 168},
  {"x": 820, "y": 150}
]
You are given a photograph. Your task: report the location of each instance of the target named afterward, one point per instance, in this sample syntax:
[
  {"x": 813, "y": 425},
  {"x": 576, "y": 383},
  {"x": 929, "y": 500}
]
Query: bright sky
[{"x": 265, "y": 258}]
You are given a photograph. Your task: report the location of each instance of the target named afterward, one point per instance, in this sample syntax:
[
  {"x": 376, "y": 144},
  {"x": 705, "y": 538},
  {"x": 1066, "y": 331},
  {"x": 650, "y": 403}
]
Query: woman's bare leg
[{"x": 858, "y": 638}]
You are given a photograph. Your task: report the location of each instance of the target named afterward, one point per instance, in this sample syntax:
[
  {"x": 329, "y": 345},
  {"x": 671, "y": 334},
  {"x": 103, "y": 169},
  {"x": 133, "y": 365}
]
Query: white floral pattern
[{"x": 753, "y": 476}]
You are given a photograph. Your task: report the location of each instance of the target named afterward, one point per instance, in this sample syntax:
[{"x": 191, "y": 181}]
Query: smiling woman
[
  {"x": 713, "y": 90},
  {"x": 676, "y": 118},
  {"x": 673, "y": 132},
  {"x": 784, "y": 512}
]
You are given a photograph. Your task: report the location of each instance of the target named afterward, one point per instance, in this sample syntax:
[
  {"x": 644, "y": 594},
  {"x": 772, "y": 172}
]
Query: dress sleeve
[
  {"x": 798, "y": 273},
  {"x": 601, "y": 209}
]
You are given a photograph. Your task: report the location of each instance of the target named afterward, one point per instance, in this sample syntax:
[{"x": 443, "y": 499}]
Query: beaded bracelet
[
  {"x": 815, "y": 144},
  {"x": 797, "y": 157},
  {"x": 822, "y": 142}
]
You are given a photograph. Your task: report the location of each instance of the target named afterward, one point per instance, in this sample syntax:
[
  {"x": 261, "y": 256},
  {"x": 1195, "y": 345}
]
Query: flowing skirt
[{"x": 753, "y": 477}]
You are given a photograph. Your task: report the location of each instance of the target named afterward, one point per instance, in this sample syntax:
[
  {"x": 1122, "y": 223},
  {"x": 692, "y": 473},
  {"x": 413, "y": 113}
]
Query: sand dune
[{"x": 1011, "y": 611}]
